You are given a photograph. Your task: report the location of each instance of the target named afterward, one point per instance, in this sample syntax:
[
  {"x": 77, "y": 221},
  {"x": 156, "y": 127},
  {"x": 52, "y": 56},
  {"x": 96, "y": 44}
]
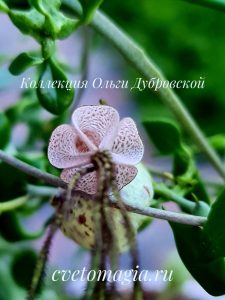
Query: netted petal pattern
[{"x": 96, "y": 128}]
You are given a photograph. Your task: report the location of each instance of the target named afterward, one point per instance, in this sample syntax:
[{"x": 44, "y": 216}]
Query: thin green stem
[
  {"x": 161, "y": 214},
  {"x": 13, "y": 204},
  {"x": 162, "y": 174},
  {"x": 147, "y": 68},
  {"x": 84, "y": 65},
  {"x": 3, "y": 7},
  {"x": 169, "y": 176},
  {"x": 163, "y": 191}
]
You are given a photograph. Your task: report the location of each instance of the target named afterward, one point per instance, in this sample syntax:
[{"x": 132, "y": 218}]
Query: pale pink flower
[{"x": 96, "y": 128}]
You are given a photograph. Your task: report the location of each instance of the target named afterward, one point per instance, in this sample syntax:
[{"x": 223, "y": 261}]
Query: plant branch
[
  {"x": 146, "y": 67},
  {"x": 13, "y": 204},
  {"x": 162, "y": 191},
  {"x": 84, "y": 65},
  {"x": 147, "y": 211},
  {"x": 163, "y": 174},
  {"x": 32, "y": 171},
  {"x": 168, "y": 215},
  {"x": 169, "y": 176}
]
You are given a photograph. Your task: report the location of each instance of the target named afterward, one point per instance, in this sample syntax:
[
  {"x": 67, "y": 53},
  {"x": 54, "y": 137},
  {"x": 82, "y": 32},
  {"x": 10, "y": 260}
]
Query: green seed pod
[{"x": 78, "y": 221}]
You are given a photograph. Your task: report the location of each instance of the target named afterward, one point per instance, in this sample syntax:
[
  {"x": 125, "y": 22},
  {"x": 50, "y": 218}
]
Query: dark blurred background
[{"x": 186, "y": 41}]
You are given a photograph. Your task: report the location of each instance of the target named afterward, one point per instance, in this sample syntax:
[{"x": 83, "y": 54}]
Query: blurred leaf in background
[{"x": 187, "y": 42}]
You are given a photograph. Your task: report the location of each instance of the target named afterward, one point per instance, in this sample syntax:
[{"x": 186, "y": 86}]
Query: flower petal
[
  {"x": 124, "y": 175},
  {"x": 128, "y": 147},
  {"x": 98, "y": 122},
  {"x": 66, "y": 149},
  {"x": 87, "y": 183}
]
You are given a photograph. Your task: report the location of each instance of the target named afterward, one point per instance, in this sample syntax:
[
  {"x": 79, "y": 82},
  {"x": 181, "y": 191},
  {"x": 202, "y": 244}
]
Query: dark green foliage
[
  {"x": 89, "y": 8},
  {"x": 55, "y": 99},
  {"x": 186, "y": 41},
  {"x": 15, "y": 232},
  {"x": 203, "y": 249},
  {"x": 5, "y": 130},
  {"x": 214, "y": 228},
  {"x": 168, "y": 139},
  {"x": 12, "y": 182},
  {"x": 22, "y": 62},
  {"x": 22, "y": 267},
  {"x": 165, "y": 135},
  {"x": 197, "y": 253},
  {"x": 43, "y": 20}
]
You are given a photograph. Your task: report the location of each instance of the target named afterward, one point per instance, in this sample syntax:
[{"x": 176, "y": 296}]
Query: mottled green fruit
[{"x": 78, "y": 221}]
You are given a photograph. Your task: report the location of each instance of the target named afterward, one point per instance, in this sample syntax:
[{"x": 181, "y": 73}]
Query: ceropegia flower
[{"x": 96, "y": 128}]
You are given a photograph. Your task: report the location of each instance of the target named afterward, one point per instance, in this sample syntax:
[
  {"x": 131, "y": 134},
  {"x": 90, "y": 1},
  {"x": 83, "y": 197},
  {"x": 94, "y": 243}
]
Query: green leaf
[
  {"x": 198, "y": 256},
  {"x": 12, "y": 182},
  {"x": 215, "y": 225},
  {"x": 22, "y": 267},
  {"x": 187, "y": 175},
  {"x": 165, "y": 135},
  {"x": 3, "y": 7},
  {"x": 168, "y": 140},
  {"x": 214, "y": 4},
  {"x": 183, "y": 164},
  {"x": 10, "y": 290},
  {"x": 43, "y": 20},
  {"x": 89, "y": 8},
  {"x": 201, "y": 209},
  {"x": 218, "y": 143},
  {"x": 56, "y": 24},
  {"x": 29, "y": 22},
  {"x": 56, "y": 99},
  {"x": 22, "y": 62},
  {"x": 5, "y": 130},
  {"x": 12, "y": 230},
  {"x": 18, "y": 4}
]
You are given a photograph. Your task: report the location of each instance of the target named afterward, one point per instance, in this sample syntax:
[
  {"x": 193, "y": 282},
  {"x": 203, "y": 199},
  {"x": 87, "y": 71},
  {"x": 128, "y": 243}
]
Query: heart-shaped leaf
[
  {"x": 215, "y": 226},
  {"x": 197, "y": 254},
  {"x": 165, "y": 135}
]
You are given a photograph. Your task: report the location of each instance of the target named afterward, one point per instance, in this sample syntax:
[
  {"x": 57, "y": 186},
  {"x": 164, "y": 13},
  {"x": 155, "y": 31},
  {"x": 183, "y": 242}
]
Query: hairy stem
[
  {"x": 41, "y": 263},
  {"x": 146, "y": 67},
  {"x": 146, "y": 211},
  {"x": 13, "y": 204}
]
